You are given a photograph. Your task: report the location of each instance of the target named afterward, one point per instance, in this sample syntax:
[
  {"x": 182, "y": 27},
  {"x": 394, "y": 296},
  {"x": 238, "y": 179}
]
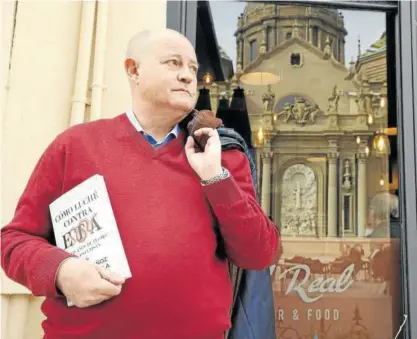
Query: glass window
[
  {"x": 315, "y": 37},
  {"x": 252, "y": 51},
  {"x": 325, "y": 144},
  {"x": 295, "y": 59}
]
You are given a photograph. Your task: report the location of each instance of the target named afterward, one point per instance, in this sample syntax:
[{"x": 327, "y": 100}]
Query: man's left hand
[{"x": 206, "y": 164}]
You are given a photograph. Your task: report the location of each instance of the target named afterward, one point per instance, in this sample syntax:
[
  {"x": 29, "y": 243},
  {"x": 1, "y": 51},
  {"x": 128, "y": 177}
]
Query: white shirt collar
[{"x": 134, "y": 121}]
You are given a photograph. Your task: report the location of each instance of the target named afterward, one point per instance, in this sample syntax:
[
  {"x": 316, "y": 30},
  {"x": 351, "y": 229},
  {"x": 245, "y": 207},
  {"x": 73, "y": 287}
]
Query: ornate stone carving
[
  {"x": 268, "y": 99},
  {"x": 262, "y": 48},
  {"x": 347, "y": 175},
  {"x": 377, "y": 110},
  {"x": 299, "y": 201},
  {"x": 362, "y": 157},
  {"x": 301, "y": 112},
  {"x": 239, "y": 69},
  {"x": 360, "y": 101},
  {"x": 332, "y": 156},
  {"x": 269, "y": 10},
  {"x": 295, "y": 29},
  {"x": 266, "y": 156},
  {"x": 333, "y": 122},
  {"x": 328, "y": 53},
  {"x": 333, "y": 101},
  {"x": 240, "y": 22}
]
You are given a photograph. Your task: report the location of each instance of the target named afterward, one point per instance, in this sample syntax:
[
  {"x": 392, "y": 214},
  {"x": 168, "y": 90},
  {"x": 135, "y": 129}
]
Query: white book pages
[{"x": 84, "y": 225}]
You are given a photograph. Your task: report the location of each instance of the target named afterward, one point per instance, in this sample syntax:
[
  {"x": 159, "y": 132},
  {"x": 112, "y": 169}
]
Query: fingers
[
  {"x": 108, "y": 289},
  {"x": 189, "y": 146},
  {"x": 206, "y": 130},
  {"x": 113, "y": 277}
]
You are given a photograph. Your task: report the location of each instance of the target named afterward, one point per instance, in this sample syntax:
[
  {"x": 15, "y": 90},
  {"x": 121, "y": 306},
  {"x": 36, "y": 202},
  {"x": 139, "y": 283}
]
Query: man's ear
[{"x": 132, "y": 70}]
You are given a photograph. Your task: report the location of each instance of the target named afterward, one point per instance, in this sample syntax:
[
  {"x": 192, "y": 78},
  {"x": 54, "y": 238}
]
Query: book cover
[{"x": 84, "y": 225}]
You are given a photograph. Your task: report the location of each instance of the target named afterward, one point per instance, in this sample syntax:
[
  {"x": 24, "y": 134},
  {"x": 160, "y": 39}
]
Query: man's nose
[{"x": 186, "y": 75}]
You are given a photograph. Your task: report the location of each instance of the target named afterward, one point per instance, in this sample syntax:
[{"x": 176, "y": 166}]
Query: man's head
[
  {"x": 381, "y": 207},
  {"x": 162, "y": 71}
]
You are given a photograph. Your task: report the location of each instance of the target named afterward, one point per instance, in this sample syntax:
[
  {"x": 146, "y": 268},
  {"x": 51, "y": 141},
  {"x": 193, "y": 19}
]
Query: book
[{"x": 85, "y": 226}]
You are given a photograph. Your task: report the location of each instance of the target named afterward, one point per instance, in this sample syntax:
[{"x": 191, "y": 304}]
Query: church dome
[
  {"x": 253, "y": 7},
  {"x": 270, "y": 24}
]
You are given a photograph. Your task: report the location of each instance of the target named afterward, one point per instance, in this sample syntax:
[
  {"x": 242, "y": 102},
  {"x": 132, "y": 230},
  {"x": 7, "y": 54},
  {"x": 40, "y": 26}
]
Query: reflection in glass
[{"x": 326, "y": 161}]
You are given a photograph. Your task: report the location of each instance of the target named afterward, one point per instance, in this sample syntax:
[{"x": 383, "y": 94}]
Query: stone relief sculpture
[
  {"x": 299, "y": 201},
  {"x": 301, "y": 112}
]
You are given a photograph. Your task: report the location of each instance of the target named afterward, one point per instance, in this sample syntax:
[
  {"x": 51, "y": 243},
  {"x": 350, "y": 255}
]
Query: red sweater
[{"x": 179, "y": 289}]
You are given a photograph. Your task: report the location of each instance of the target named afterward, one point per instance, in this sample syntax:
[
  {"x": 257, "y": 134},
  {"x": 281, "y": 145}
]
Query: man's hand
[
  {"x": 86, "y": 284},
  {"x": 206, "y": 164}
]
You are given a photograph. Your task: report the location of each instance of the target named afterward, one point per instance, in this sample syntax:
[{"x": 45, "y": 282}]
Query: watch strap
[{"x": 224, "y": 175}]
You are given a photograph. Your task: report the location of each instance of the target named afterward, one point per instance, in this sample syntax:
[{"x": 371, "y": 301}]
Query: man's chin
[{"x": 183, "y": 107}]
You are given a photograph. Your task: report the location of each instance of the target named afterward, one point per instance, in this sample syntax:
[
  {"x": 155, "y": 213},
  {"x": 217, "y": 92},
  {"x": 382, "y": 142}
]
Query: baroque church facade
[{"x": 320, "y": 128}]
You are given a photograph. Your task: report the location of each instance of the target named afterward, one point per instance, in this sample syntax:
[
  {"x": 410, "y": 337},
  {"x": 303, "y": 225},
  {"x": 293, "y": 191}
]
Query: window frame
[{"x": 402, "y": 16}]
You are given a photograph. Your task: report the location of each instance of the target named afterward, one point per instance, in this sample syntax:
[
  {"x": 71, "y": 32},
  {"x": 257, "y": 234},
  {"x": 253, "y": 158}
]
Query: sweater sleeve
[
  {"x": 251, "y": 239},
  {"x": 28, "y": 256}
]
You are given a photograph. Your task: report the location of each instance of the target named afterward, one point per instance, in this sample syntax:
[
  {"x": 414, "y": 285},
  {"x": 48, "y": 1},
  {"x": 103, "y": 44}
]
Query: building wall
[
  {"x": 315, "y": 78},
  {"x": 310, "y": 145},
  {"x": 66, "y": 67}
]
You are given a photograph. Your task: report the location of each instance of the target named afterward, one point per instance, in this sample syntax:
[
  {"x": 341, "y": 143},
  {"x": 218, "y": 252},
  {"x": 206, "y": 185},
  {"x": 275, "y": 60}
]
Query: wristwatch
[{"x": 224, "y": 175}]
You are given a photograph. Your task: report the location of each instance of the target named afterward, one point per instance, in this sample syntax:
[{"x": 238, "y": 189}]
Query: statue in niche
[{"x": 299, "y": 201}]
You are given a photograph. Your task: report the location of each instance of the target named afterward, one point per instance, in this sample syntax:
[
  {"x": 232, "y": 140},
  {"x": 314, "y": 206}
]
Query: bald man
[{"x": 166, "y": 197}]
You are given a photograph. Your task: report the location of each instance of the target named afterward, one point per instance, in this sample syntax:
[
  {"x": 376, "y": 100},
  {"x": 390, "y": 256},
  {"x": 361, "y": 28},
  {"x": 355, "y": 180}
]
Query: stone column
[
  {"x": 266, "y": 182},
  {"x": 332, "y": 195},
  {"x": 362, "y": 194},
  {"x": 310, "y": 35},
  {"x": 258, "y": 171}
]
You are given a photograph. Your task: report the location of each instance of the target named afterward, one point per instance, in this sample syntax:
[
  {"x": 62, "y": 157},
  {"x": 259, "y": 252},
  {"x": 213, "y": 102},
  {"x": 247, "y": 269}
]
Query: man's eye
[
  {"x": 194, "y": 69},
  {"x": 174, "y": 62}
]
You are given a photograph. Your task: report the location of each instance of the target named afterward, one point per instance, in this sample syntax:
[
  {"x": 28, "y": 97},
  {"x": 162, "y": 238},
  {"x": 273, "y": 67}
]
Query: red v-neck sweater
[{"x": 179, "y": 289}]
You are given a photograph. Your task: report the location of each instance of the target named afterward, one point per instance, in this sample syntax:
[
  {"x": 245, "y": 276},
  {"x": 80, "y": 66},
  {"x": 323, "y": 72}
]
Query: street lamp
[
  {"x": 381, "y": 143},
  {"x": 207, "y": 79}
]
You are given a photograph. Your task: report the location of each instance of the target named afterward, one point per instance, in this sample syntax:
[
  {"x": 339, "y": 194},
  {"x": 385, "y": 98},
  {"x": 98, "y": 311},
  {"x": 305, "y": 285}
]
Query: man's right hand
[{"x": 86, "y": 284}]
